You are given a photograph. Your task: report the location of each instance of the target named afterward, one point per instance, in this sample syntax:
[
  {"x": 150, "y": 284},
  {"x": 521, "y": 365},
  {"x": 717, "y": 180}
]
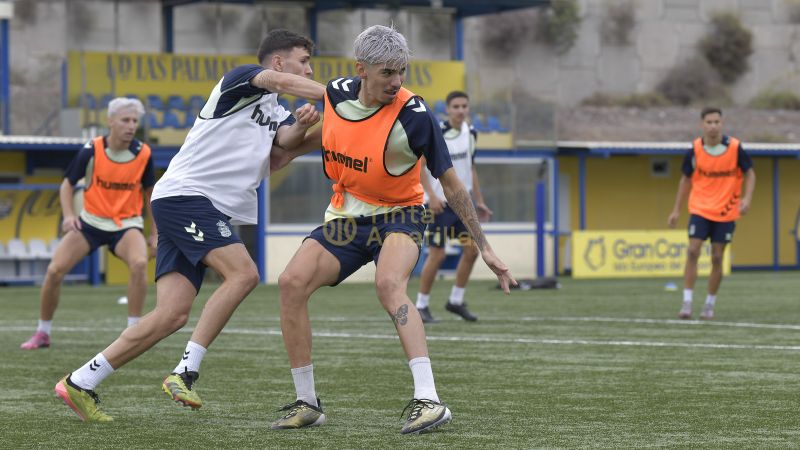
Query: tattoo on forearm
[
  {"x": 461, "y": 203},
  {"x": 400, "y": 317}
]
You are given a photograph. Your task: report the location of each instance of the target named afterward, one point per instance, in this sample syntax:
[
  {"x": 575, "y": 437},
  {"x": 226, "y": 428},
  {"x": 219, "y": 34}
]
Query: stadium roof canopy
[{"x": 463, "y": 8}]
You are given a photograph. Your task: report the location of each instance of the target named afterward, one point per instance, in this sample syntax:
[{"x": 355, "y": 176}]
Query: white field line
[
  {"x": 772, "y": 326},
  {"x": 375, "y": 319},
  {"x": 471, "y": 338}
]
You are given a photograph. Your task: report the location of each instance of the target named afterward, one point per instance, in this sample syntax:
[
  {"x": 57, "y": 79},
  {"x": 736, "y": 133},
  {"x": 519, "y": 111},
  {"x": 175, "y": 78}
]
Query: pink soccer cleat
[
  {"x": 40, "y": 339},
  {"x": 708, "y": 313},
  {"x": 686, "y": 311}
]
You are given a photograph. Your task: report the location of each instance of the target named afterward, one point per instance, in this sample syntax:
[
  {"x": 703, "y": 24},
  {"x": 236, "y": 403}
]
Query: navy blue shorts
[
  {"x": 357, "y": 241},
  {"x": 97, "y": 237},
  {"x": 446, "y": 225},
  {"x": 702, "y": 228},
  {"x": 188, "y": 228}
]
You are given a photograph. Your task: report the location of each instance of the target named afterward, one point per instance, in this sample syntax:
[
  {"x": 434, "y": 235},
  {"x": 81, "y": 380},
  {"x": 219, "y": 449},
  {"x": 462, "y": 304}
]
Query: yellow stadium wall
[
  {"x": 788, "y": 205},
  {"x": 12, "y": 162},
  {"x": 622, "y": 193},
  {"x": 568, "y": 167},
  {"x": 117, "y": 271}
]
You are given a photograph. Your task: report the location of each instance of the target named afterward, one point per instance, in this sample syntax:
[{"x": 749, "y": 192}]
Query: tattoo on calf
[{"x": 400, "y": 317}]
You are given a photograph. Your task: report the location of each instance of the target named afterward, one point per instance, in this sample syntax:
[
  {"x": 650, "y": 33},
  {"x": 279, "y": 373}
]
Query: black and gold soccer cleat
[{"x": 300, "y": 415}]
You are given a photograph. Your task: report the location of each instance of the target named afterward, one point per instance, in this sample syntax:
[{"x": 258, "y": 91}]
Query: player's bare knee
[
  {"x": 56, "y": 272},
  {"x": 693, "y": 254},
  {"x": 470, "y": 252},
  {"x": 716, "y": 260},
  {"x": 388, "y": 286},
  {"x": 436, "y": 256},
  {"x": 292, "y": 281},
  {"x": 167, "y": 320},
  {"x": 138, "y": 267},
  {"x": 250, "y": 278},
  {"x": 176, "y": 320}
]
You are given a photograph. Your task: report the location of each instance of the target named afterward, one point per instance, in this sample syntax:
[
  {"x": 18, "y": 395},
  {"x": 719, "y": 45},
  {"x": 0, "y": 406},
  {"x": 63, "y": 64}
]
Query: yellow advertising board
[
  {"x": 628, "y": 254},
  {"x": 165, "y": 74},
  {"x": 29, "y": 214}
]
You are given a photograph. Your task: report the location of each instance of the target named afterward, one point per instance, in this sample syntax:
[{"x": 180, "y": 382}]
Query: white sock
[
  {"x": 45, "y": 326},
  {"x": 687, "y": 295},
  {"x": 710, "y": 300},
  {"x": 304, "y": 384},
  {"x": 133, "y": 321},
  {"x": 457, "y": 295},
  {"x": 92, "y": 373},
  {"x": 192, "y": 356},
  {"x": 423, "y": 379},
  {"x": 423, "y": 300}
]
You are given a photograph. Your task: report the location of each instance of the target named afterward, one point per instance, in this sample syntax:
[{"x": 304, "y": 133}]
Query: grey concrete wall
[{"x": 665, "y": 34}]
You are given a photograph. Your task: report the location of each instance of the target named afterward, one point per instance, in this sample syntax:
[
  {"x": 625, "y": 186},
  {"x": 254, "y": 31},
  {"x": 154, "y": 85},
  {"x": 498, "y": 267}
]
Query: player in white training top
[
  {"x": 210, "y": 184},
  {"x": 460, "y": 138}
]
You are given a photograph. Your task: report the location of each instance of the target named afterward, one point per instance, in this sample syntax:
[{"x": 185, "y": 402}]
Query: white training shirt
[
  {"x": 226, "y": 153},
  {"x": 461, "y": 145}
]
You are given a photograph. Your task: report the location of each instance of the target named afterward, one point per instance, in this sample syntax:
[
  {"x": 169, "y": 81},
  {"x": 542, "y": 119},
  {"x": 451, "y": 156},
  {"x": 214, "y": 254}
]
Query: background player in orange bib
[
  {"x": 119, "y": 177},
  {"x": 713, "y": 172}
]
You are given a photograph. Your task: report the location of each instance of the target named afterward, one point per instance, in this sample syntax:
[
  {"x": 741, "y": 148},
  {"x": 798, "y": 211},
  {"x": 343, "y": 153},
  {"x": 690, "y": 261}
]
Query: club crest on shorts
[{"x": 223, "y": 229}]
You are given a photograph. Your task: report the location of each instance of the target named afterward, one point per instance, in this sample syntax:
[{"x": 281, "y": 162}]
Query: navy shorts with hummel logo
[
  {"x": 97, "y": 237},
  {"x": 188, "y": 228},
  {"x": 358, "y": 240}
]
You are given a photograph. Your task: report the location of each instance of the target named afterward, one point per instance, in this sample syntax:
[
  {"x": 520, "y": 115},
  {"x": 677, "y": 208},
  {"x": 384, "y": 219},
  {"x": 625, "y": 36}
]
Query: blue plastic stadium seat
[
  {"x": 478, "y": 124},
  {"x": 493, "y": 124},
  {"x": 176, "y": 102},
  {"x": 196, "y": 102},
  {"x": 194, "y": 106},
  {"x": 88, "y": 101},
  {"x": 285, "y": 103},
  {"x": 105, "y": 100},
  {"x": 154, "y": 102},
  {"x": 171, "y": 120},
  {"x": 440, "y": 108},
  {"x": 152, "y": 121}
]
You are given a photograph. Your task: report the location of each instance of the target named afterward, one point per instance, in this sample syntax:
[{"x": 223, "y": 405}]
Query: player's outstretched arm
[
  {"x": 684, "y": 186},
  {"x": 280, "y": 157},
  {"x": 292, "y": 136},
  {"x": 749, "y": 187},
  {"x": 460, "y": 202},
  {"x": 65, "y": 193},
  {"x": 287, "y": 83}
]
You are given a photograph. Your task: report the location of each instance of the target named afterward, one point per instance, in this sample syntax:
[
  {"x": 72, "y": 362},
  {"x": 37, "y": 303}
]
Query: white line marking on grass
[
  {"x": 472, "y": 338},
  {"x": 775, "y": 326},
  {"x": 16, "y": 325}
]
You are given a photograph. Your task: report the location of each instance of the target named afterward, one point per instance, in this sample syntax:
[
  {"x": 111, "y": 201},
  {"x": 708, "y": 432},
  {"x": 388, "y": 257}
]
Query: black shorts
[
  {"x": 446, "y": 225},
  {"x": 702, "y": 228},
  {"x": 188, "y": 228},
  {"x": 97, "y": 237},
  {"x": 357, "y": 241}
]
